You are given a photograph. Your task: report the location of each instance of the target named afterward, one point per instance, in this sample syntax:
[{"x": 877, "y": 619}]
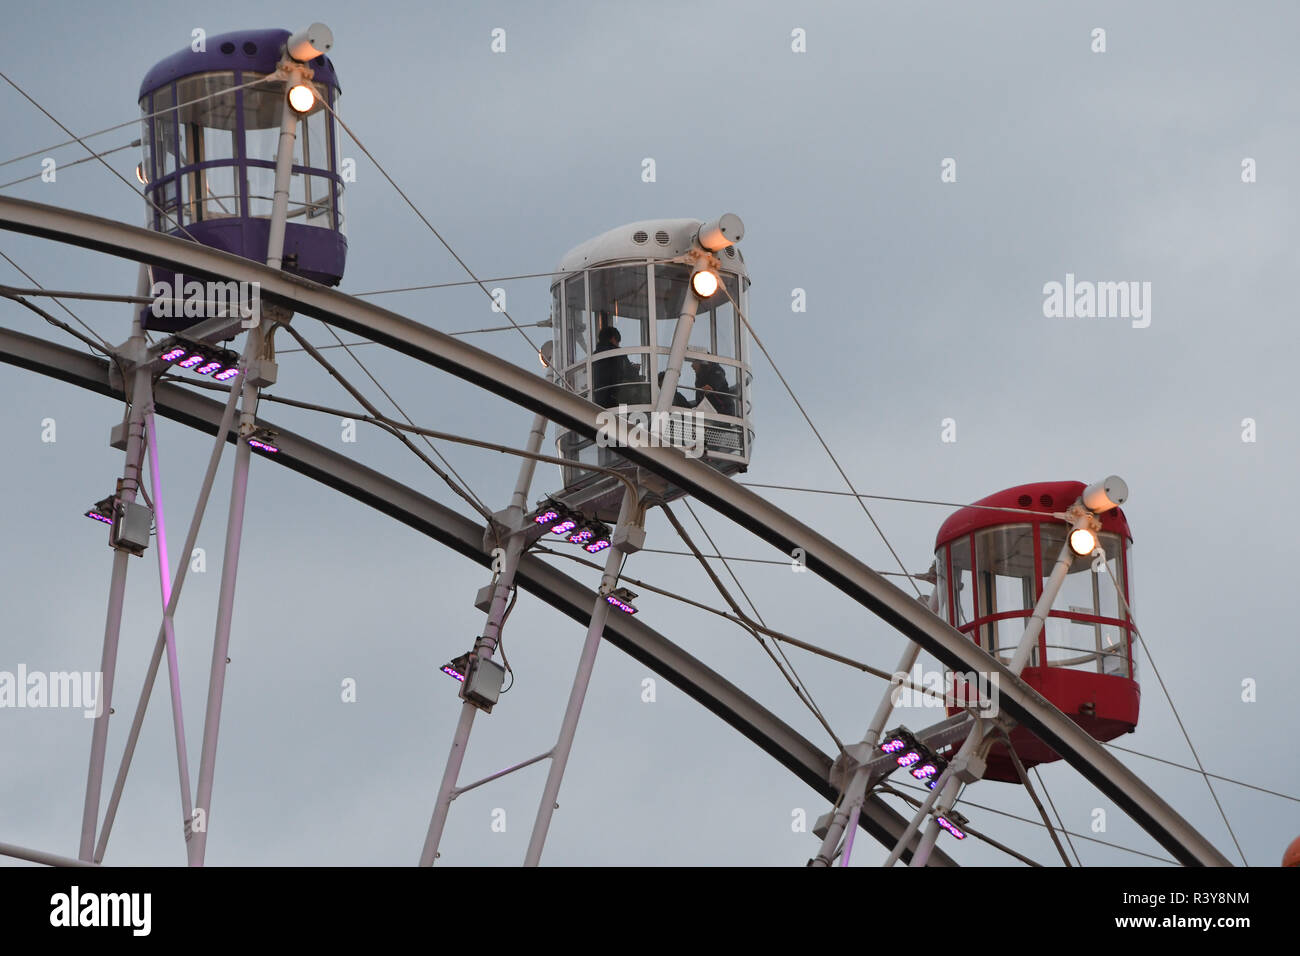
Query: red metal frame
[
  {"x": 1105, "y": 705},
  {"x": 1062, "y": 494}
]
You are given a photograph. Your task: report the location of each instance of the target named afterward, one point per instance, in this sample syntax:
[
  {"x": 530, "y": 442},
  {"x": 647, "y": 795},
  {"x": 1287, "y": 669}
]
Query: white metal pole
[
  {"x": 947, "y": 788},
  {"x": 487, "y": 643},
  {"x": 112, "y": 630},
  {"x": 225, "y": 610},
  {"x": 117, "y": 585},
  {"x": 39, "y": 856},
  {"x": 967, "y": 748},
  {"x": 851, "y": 830},
  {"x": 845, "y": 818},
  {"x": 151, "y": 674},
  {"x": 855, "y": 792},
  {"x": 921, "y": 855},
  {"x": 628, "y": 515},
  {"x": 913, "y": 826},
  {"x": 450, "y": 774},
  {"x": 677, "y": 355},
  {"x": 1053, "y": 587},
  {"x": 169, "y": 629},
  {"x": 238, "y": 494},
  {"x": 283, "y": 173}
]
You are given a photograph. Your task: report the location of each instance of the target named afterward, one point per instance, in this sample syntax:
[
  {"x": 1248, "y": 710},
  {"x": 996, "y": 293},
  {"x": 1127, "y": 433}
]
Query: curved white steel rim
[
  {"x": 461, "y": 534},
  {"x": 740, "y": 504}
]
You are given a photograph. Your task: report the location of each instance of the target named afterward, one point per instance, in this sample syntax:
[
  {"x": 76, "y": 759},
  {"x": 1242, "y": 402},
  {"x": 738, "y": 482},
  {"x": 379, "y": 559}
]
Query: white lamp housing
[
  {"x": 316, "y": 40},
  {"x": 726, "y": 230},
  {"x": 1105, "y": 494}
]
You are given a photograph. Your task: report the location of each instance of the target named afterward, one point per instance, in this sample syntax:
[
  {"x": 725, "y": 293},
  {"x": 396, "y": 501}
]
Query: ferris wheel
[{"x": 1029, "y": 610}]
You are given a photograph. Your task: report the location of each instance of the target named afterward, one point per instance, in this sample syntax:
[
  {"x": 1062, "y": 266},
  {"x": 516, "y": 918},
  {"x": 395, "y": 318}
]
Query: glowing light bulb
[
  {"x": 302, "y": 97},
  {"x": 1083, "y": 541},
  {"x": 705, "y": 283}
]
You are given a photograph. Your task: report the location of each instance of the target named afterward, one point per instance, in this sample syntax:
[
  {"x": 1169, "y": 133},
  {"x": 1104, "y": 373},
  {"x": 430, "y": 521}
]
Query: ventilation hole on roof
[
  {"x": 661, "y": 237},
  {"x": 250, "y": 48},
  {"x": 1045, "y": 500},
  {"x": 639, "y": 236},
  {"x": 731, "y": 253},
  {"x": 227, "y": 48},
  {"x": 1025, "y": 501}
]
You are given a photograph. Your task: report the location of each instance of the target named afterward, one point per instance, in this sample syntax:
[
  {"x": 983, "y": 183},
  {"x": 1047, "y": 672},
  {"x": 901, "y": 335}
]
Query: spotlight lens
[
  {"x": 705, "y": 283},
  {"x": 1082, "y": 541},
  {"x": 302, "y": 97}
]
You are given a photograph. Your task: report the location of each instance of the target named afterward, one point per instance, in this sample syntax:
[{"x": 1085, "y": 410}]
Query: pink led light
[
  {"x": 254, "y": 443},
  {"x": 546, "y": 517},
  {"x": 194, "y": 359},
  {"x": 952, "y": 828},
  {"x": 909, "y": 758},
  {"x": 621, "y": 605},
  {"x": 580, "y": 537},
  {"x": 564, "y": 527},
  {"x": 99, "y": 517},
  {"x": 452, "y": 672},
  {"x": 171, "y": 355},
  {"x": 597, "y": 546},
  {"x": 892, "y": 746},
  {"x": 207, "y": 368},
  {"x": 226, "y": 374}
]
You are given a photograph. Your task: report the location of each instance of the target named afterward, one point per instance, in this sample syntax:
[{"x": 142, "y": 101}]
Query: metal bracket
[
  {"x": 879, "y": 765},
  {"x": 628, "y": 538}
]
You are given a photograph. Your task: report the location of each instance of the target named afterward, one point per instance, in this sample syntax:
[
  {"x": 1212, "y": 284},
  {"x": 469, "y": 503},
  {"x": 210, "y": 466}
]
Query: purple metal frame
[
  {"x": 266, "y": 46},
  {"x": 320, "y": 252}
]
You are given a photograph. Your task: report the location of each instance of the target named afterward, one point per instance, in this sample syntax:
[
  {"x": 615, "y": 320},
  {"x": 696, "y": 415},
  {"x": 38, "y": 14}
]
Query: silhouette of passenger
[
  {"x": 679, "y": 400},
  {"x": 610, "y": 373},
  {"x": 711, "y": 383}
]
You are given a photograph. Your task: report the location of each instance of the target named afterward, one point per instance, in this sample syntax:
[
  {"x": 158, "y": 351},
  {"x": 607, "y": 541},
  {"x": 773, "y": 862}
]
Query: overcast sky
[{"x": 924, "y": 302}]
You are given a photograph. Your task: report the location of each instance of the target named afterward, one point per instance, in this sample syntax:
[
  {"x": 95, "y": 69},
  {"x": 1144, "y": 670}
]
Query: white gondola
[{"x": 639, "y": 330}]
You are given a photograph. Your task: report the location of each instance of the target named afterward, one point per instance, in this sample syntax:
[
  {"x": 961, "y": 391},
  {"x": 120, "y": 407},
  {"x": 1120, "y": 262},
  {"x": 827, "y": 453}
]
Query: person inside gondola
[
  {"x": 679, "y": 400},
  {"x": 711, "y": 384},
  {"x": 610, "y": 373}
]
